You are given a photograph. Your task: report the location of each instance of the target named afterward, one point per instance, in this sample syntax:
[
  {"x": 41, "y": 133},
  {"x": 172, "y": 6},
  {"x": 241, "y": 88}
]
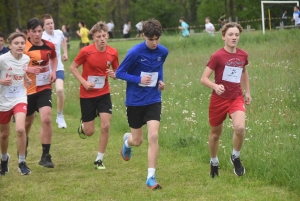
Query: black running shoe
[
  {"x": 238, "y": 169},
  {"x": 46, "y": 161},
  {"x": 4, "y": 166},
  {"x": 23, "y": 169},
  {"x": 99, "y": 165},
  {"x": 214, "y": 170}
]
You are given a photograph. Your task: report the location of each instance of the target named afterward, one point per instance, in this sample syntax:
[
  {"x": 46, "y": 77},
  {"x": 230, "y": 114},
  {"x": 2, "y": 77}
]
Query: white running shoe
[{"x": 61, "y": 121}]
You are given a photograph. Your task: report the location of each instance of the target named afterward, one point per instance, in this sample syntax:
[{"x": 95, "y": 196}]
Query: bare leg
[
  {"x": 21, "y": 133},
  {"x": 60, "y": 94},
  {"x": 46, "y": 129},
  {"x": 104, "y": 134},
  {"x": 214, "y": 137},
  {"x": 238, "y": 121},
  {"x": 4, "y": 131},
  {"x": 153, "y": 127}
]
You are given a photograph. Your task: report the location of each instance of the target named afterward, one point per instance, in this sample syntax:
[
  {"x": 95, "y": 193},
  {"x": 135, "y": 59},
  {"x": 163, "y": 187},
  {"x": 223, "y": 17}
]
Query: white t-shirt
[
  {"x": 110, "y": 26},
  {"x": 16, "y": 93},
  {"x": 208, "y": 28},
  {"x": 56, "y": 39},
  {"x": 139, "y": 26},
  {"x": 296, "y": 17},
  {"x": 126, "y": 29}
]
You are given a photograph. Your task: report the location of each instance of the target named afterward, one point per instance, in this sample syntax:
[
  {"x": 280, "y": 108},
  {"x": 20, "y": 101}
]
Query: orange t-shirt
[
  {"x": 39, "y": 57},
  {"x": 94, "y": 66}
]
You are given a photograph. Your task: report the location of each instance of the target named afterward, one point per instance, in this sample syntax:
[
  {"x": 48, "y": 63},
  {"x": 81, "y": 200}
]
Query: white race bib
[
  {"x": 232, "y": 74},
  {"x": 154, "y": 77},
  {"x": 15, "y": 91},
  {"x": 43, "y": 78},
  {"x": 98, "y": 81}
]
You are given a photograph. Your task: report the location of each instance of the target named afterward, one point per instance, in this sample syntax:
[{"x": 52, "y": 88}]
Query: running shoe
[
  {"x": 23, "y": 169},
  {"x": 61, "y": 121},
  {"x": 126, "y": 152},
  {"x": 214, "y": 170},
  {"x": 4, "y": 166},
  {"x": 238, "y": 169},
  {"x": 82, "y": 135},
  {"x": 99, "y": 165},
  {"x": 46, "y": 161},
  {"x": 152, "y": 184}
]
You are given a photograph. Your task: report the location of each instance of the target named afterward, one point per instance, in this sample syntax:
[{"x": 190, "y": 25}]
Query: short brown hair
[
  {"x": 100, "y": 26},
  {"x": 152, "y": 28},
  {"x": 231, "y": 25},
  {"x": 46, "y": 17},
  {"x": 15, "y": 35}
]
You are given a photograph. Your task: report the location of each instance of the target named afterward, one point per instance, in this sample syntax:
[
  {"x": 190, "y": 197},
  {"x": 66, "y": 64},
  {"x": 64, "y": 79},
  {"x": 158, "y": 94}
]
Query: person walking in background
[
  {"x": 57, "y": 37},
  {"x": 99, "y": 61},
  {"x": 209, "y": 27},
  {"x": 3, "y": 49},
  {"x": 13, "y": 99},
  {"x": 296, "y": 16},
  {"x": 139, "y": 27},
  {"x": 111, "y": 27},
  {"x": 66, "y": 35},
  {"x": 283, "y": 18},
  {"x": 229, "y": 67},
  {"x": 126, "y": 29},
  {"x": 83, "y": 33},
  {"x": 222, "y": 20},
  {"x": 142, "y": 69},
  {"x": 184, "y": 27}
]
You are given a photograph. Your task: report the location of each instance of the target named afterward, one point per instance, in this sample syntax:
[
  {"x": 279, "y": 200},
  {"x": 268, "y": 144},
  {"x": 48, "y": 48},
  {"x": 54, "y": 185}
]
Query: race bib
[
  {"x": 98, "y": 81},
  {"x": 232, "y": 74},
  {"x": 15, "y": 91},
  {"x": 43, "y": 78},
  {"x": 154, "y": 77}
]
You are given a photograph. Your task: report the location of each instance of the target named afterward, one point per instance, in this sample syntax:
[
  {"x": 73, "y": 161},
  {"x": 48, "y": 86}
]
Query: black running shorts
[{"x": 39, "y": 100}]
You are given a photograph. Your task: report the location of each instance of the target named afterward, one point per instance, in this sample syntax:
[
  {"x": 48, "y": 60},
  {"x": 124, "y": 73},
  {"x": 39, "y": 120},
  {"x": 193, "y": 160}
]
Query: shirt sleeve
[
  {"x": 213, "y": 62},
  {"x": 53, "y": 52},
  {"x": 80, "y": 58},
  {"x": 124, "y": 67}
]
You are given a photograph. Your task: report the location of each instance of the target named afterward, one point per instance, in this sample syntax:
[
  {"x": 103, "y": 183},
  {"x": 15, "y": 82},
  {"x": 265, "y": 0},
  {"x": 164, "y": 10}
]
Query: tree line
[{"x": 15, "y": 13}]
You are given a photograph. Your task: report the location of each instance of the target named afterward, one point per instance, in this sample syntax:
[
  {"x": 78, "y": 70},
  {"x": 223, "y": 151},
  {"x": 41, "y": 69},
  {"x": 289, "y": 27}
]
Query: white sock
[
  {"x": 215, "y": 161},
  {"x": 59, "y": 113},
  {"x": 4, "y": 157},
  {"x": 151, "y": 172},
  {"x": 126, "y": 144},
  {"x": 100, "y": 156},
  {"x": 21, "y": 158},
  {"x": 235, "y": 153}
]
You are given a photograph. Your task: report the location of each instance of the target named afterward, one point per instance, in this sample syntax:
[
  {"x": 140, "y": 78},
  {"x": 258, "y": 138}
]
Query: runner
[
  {"x": 3, "y": 49},
  {"x": 42, "y": 55},
  {"x": 229, "y": 66},
  {"x": 139, "y": 27},
  {"x": 142, "y": 69},
  {"x": 83, "y": 33},
  {"x": 57, "y": 38},
  {"x": 184, "y": 27},
  {"x": 209, "y": 27},
  {"x": 96, "y": 60},
  {"x": 13, "y": 99}
]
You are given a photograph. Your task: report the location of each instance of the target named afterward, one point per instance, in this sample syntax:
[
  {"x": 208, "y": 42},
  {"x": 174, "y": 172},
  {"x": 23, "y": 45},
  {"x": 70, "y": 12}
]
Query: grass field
[{"x": 270, "y": 153}]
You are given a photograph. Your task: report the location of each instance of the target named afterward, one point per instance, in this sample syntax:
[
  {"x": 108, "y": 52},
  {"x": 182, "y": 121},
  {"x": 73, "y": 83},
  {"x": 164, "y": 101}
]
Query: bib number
[
  {"x": 14, "y": 91},
  {"x": 154, "y": 77},
  {"x": 43, "y": 78},
  {"x": 232, "y": 74},
  {"x": 98, "y": 81}
]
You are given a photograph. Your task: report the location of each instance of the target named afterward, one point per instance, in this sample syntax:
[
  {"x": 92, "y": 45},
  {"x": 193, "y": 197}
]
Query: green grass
[{"x": 270, "y": 152}]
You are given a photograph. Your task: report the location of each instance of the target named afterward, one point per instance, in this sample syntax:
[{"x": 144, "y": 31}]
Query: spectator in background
[
  {"x": 18, "y": 30},
  {"x": 183, "y": 27},
  {"x": 209, "y": 27},
  {"x": 296, "y": 16},
  {"x": 139, "y": 27},
  {"x": 66, "y": 35},
  {"x": 284, "y": 17},
  {"x": 3, "y": 49},
  {"x": 111, "y": 27},
  {"x": 83, "y": 33},
  {"x": 223, "y": 20},
  {"x": 126, "y": 29}
]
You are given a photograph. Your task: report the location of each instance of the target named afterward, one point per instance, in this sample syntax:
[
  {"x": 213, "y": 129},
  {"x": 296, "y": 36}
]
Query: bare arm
[
  {"x": 53, "y": 64},
  {"x": 74, "y": 70},
  {"x": 218, "y": 88},
  {"x": 65, "y": 49},
  {"x": 78, "y": 33},
  {"x": 245, "y": 85}
]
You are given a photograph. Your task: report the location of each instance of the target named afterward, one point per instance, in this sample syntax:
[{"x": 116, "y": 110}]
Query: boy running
[
  {"x": 58, "y": 39},
  {"x": 42, "y": 55},
  {"x": 142, "y": 69},
  {"x": 229, "y": 66},
  {"x": 96, "y": 60},
  {"x": 13, "y": 99}
]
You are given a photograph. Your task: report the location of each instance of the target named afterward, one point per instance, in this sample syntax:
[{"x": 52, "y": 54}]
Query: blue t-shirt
[
  {"x": 185, "y": 31},
  {"x": 140, "y": 59},
  {"x": 4, "y": 50}
]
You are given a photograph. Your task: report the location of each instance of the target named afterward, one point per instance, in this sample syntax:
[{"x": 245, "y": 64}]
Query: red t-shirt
[
  {"x": 94, "y": 65},
  {"x": 228, "y": 69}
]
